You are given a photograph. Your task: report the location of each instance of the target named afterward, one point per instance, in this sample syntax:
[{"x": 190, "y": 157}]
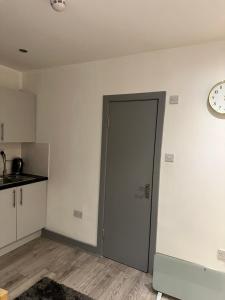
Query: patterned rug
[{"x": 47, "y": 289}]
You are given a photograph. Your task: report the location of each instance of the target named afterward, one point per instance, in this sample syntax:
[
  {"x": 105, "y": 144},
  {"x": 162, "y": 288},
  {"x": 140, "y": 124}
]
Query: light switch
[
  {"x": 221, "y": 254},
  {"x": 174, "y": 99},
  {"x": 78, "y": 214},
  {"x": 169, "y": 157}
]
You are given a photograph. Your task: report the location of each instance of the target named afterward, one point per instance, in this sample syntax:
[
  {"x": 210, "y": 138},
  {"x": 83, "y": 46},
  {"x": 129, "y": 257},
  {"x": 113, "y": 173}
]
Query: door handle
[
  {"x": 147, "y": 191},
  {"x": 14, "y": 198},
  {"x": 21, "y": 196},
  {"x": 2, "y": 132}
]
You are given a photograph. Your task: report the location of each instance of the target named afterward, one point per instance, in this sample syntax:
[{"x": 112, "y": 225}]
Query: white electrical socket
[{"x": 221, "y": 254}]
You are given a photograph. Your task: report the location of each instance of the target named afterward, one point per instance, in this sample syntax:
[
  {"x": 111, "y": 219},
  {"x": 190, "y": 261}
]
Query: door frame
[{"x": 161, "y": 99}]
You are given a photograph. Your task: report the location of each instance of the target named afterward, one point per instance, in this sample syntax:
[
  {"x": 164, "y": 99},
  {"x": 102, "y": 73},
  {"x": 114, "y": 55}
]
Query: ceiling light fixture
[
  {"x": 23, "y": 50},
  {"x": 58, "y": 5}
]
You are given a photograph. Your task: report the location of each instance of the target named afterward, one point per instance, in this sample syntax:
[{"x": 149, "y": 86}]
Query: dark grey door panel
[{"x": 129, "y": 173}]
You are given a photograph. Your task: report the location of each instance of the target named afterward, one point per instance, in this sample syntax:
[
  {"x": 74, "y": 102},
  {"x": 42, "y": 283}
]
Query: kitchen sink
[
  {"x": 5, "y": 180},
  {"x": 14, "y": 178}
]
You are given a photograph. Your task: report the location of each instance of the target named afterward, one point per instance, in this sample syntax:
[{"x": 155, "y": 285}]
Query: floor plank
[{"x": 98, "y": 277}]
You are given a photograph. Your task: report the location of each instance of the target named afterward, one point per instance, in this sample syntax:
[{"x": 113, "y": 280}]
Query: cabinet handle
[
  {"x": 21, "y": 196},
  {"x": 147, "y": 191},
  {"x": 2, "y": 131},
  {"x": 14, "y": 198}
]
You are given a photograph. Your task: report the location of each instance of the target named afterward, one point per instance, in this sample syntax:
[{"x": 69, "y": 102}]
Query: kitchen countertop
[{"x": 12, "y": 181}]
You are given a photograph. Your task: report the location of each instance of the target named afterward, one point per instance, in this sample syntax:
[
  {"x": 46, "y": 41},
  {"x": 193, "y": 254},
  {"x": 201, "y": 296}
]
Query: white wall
[
  {"x": 10, "y": 78},
  {"x": 192, "y": 190}
]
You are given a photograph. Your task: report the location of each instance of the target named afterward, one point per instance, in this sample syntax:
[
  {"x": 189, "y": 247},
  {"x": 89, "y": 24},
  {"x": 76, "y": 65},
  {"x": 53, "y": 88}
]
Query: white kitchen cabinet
[
  {"x": 7, "y": 217},
  {"x": 31, "y": 208},
  {"x": 23, "y": 211},
  {"x": 17, "y": 116}
]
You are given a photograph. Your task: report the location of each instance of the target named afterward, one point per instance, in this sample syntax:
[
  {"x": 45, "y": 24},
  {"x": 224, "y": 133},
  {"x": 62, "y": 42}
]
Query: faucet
[{"x": 4, "y": 174}]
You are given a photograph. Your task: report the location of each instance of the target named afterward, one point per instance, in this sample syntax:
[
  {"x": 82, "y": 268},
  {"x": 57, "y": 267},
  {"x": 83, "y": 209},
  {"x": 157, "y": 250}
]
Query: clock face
[{"x": 217, "y": 97}]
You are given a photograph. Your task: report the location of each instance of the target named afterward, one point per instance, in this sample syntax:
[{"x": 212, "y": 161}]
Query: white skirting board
[
  {"x": 159, "y": 296},
  {"x": 19, "y": 243},
  {"x": 187, "y": 281}
]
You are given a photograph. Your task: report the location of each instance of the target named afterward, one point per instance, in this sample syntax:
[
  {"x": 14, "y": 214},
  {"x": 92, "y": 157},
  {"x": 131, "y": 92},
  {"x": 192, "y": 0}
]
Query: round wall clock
[{"x": 217, "y": 97}]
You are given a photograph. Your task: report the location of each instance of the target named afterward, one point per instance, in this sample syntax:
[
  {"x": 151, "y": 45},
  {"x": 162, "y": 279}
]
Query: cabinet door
[
  {"x": 17, "y": 116},
  {"x": 31, "y": 208},
  {"x": 7, "y": 217}
]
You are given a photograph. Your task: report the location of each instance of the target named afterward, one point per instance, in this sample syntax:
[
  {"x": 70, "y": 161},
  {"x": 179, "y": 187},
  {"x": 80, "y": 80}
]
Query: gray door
[{"x": 129, "y": 173}]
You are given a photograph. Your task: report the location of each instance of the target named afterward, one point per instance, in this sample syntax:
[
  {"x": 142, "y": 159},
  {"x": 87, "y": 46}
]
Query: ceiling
[{"x": 97, "y": 29}]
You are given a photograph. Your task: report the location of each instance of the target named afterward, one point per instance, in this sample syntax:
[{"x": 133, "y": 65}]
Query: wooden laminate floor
[{"x": 100, "y": 278}]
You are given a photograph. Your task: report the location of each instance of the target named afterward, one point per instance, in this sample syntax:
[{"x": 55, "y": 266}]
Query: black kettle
[{"x": 17, "y": 166}]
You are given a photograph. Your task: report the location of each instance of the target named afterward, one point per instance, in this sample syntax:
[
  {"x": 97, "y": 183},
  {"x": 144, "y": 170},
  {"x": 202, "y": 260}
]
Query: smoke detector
[{"x": 58, "y": 5}]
